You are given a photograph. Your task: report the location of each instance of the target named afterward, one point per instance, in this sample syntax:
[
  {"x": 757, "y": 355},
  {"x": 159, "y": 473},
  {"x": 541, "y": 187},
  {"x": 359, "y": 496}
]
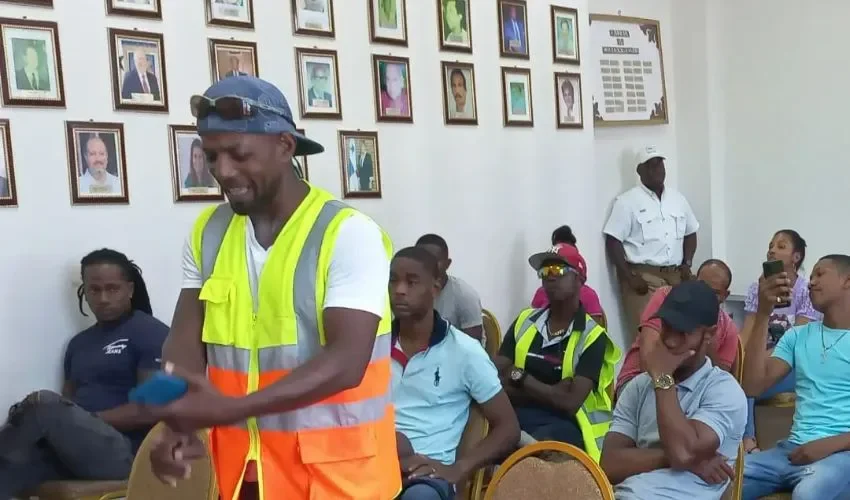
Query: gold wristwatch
[{"x": 663, "y": 382}]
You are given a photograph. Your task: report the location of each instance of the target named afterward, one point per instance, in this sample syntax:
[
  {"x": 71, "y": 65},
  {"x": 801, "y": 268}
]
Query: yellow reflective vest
[{"x": 594, "y": 416}]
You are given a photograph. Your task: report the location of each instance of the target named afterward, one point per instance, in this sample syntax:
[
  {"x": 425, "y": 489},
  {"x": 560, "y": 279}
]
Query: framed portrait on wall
[
  {"x": 232, "y": 58},
  {"x": 313, "y": 18},
  {"x": 516, "y": 97},
  {"x": 454, "y": 24},
  {"x": 568, "y": 100},
  {"x": 190, "y": 171},
  {"x": 318, "y": 83},
  {"x": 230, "y": 13},
  {"x": 565, "y": 35},
  {"x": 150, "y": 9},
  {"x": 388, "y": 21},
  {"x": 8, "y": 191},
  {"x": 97, "y": 163},
  {"x": 138, "y": 70},
  {"x": 628, "y": 71},
  {"x": 300, "y": 162},
  {"x": 393, "y": 93},
  {"x": 359, "y": 164},
  {"x": 459, "y": 99},
  {"x": 31, "y": 64},
  {"x": 513, "y": 29}
]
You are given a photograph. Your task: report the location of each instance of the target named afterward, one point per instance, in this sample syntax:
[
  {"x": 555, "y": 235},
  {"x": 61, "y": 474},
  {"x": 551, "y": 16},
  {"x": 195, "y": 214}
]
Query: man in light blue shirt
[
  {"x": 814, "y": 462},
  {"x": 437, "y": 372},
  {"x": 677, "y": 426}
]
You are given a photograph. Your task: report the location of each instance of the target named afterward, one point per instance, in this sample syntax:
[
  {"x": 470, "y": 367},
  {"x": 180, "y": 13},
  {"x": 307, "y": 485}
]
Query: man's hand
[
  {"x": 421, "y": 466},
  {"x": 715, "y": 470},
  {"x": 172, "y": 453},
  {"x": 638, "y": 284},
  {"x": 813, "y": 451},
  {"x": 201, "y": 407},
  {"x": 685, "y": 272},
  {"x": 772, "y": 291},
  {"x": 656, "y": 358}
]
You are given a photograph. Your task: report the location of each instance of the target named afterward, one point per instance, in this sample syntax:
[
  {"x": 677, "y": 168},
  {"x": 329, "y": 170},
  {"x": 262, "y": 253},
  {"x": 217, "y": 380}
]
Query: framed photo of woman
[
  {"x": 388, "y": 21},
  {"x": 31, "y": 64},
  {"x": 190, "y": 171},
  {"x": 97, "y": 163},
  {"x": 568, "y": 100}
]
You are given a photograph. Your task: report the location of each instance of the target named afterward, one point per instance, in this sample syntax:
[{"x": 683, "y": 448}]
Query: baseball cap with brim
[
  {"x": 562, "y": 253},
  {"x": 272, "y": 114},
  {"x": 647, "y": 153},
  {"x": 688, "y": 306}
]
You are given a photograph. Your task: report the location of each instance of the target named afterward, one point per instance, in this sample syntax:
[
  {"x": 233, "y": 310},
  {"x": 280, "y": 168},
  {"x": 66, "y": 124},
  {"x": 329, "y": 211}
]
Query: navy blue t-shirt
[{"x": 103, "y": 361}]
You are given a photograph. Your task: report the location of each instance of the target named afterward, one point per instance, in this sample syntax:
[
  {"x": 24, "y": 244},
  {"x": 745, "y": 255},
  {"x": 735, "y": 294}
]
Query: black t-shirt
[{"x": 544, "y": 363}]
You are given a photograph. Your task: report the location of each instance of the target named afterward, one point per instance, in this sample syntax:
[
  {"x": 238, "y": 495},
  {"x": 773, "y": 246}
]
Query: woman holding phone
[{"x": 789, "y": 248}]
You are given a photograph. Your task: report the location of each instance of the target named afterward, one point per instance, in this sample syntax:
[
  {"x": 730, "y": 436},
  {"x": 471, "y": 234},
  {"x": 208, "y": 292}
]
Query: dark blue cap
[
  {"x": 690, "y": 305},
  {"x": 263, "y": 121}
]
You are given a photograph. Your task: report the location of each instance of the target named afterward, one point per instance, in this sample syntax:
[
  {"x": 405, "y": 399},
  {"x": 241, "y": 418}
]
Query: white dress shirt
[
  {"x": 111, "y": 185},
  {"x": 650, "y": 229}
]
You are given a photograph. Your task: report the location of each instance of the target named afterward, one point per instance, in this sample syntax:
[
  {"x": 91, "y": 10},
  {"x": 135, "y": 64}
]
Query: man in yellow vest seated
[
  {"x": 285, "y": 308},
  {"x": 557, "y": 363}
]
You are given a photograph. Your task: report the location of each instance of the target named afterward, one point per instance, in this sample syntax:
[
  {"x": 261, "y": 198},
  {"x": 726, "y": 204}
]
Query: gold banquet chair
[
  {"x": 475, "y": 431},
  {"x": 142, "y": 484},
  {"x": 492, "y": 333},
  {"x": 733, "y": 491},
  {"x": 549, "y": 470}
]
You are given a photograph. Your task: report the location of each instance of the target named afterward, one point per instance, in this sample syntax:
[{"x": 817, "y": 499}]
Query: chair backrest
[
  {"x": 492, "y": 332},
  {"x": 738, "y": 365},
  {"x": 143, "y": 485},
  {"x": 475, "y": 431},
  {"x": 549, "y": 470}
]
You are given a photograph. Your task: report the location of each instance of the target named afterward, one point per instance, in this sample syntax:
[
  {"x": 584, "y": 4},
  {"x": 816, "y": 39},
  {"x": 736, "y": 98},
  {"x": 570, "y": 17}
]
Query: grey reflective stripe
[
  {"x": 599, "y": 441},
  {"x": 598, "y": 416},
  {"x": 285, "y": 357},
  {"x": 526, "y": 324},
  {"x": 212, "y": 238},
  {"x": 589, "y": 326},
  {"x": 323, "y": 416},
  {"x": 228, "y": 357}
]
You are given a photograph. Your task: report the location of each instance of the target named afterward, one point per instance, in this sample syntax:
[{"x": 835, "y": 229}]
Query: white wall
[
  {"x": 494, "y": 193},
  {"x": 786, "y": 137}
]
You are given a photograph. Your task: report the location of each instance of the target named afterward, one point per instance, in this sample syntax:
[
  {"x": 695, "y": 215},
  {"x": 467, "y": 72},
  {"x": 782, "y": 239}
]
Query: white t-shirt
[
  {"x": 359, "y": 271},
  {"x": 651, "y": 229}
]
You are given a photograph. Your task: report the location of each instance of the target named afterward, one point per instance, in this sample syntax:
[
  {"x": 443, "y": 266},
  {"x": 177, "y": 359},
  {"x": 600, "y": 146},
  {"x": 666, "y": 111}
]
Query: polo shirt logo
[
  {"x": 116, "y": 347},
  {"x": 437, "y": 377}
]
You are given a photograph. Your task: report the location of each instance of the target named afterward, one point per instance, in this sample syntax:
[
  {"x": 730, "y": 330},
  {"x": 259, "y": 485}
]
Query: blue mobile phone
[{"x": 159, "y": 390}]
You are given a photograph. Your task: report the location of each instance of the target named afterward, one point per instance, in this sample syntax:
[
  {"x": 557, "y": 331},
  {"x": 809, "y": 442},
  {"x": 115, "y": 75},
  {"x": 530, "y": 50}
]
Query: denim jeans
[
  {"x": 544, "y": 425},
  {"x": 787, "y": 384},
  {"x": 770, "y": 471},
  {"x": 50, "y": 438},
  {"x": 428, "y": 488}
]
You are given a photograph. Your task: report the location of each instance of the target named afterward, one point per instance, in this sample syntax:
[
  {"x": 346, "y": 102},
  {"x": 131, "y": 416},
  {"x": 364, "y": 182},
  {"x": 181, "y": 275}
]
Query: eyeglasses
[
  {"x": 231, "y": 108},
  {"x": 554, "y": 270}
]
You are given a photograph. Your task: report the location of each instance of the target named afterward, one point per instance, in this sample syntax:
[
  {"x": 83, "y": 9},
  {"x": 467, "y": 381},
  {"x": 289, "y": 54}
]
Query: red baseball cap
[{"x": 564, "y": 253}]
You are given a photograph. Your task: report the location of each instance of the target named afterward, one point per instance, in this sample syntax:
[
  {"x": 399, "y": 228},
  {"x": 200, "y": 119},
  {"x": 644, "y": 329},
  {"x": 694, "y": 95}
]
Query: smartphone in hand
[
  {"x": 772, "y": 268},
  {"x": 159, "y": 390}
]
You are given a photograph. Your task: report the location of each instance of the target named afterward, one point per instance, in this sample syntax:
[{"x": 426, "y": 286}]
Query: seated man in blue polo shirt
[
  {"x": 814, "y": 462},
  {"x": 556, "y": 363},
  {"x": 677, "y": 426},
  {"x": 437, "y": 372}
]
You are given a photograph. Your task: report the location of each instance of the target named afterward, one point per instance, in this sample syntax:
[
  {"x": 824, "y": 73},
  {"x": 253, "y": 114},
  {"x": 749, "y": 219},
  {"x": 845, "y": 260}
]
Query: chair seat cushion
[
  {"x": 74, "y": 490},
  {"x": 534, "y": 478}
]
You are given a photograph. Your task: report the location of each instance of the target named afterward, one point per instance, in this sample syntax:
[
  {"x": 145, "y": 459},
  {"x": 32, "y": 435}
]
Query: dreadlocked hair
[{"x": 140, "y": 301}]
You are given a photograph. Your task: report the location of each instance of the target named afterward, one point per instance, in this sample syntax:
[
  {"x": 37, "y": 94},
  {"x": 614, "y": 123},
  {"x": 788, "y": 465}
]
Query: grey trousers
[{"x": 49, "y": 438}]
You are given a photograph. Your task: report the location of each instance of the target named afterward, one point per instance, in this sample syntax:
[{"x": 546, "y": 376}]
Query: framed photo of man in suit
[
  {"x": 230, "y": 13},
  {"x": 318, "y": 83},
  {"x": 8, "y": 192},
  {"x": 97, "y": 163},
  {"x": 513, "y": 29},
  {"x": 138, "y": 71},
  {"x": 359, "y": 164},
  {"x": 30, "y": 63},
  {"x": 232, "y": 58},
  {"x": 150, "y": 9}
]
